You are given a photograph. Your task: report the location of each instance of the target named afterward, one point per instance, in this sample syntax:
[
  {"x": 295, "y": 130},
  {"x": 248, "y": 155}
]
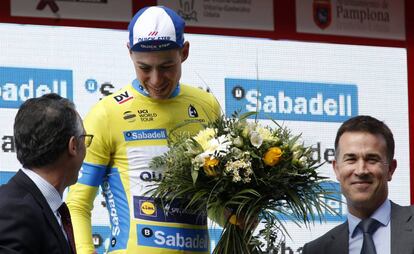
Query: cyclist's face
[{"x": 159, "y": 72}]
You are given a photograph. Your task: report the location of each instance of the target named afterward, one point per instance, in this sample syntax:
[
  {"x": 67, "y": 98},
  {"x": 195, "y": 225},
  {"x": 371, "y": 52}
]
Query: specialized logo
[
  {"x": 145, "y": 209},
  {"x": 145, "y": 134},
  {"x": 129, "y": 116},
  {"x": 322, "y": 13},
  {"x": 148, "y": 208},
  {"x": 123, "y": 97},
  {"x": 173, "y": 238},
  {"x": 295, "y": 101},
  {"x": 192, "y": 112},
  {"x": 20, "y": 84}
]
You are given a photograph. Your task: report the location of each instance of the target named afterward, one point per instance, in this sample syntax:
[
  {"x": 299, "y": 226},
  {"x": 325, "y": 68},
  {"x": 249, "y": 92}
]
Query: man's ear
[
  {"x": 185, "y": 50},
  {"x": 129, "y": 48},
  {"x": 391, "y": 169},
  {"x": 73, "y": 146},
  {"x": 335, "y": 168}
]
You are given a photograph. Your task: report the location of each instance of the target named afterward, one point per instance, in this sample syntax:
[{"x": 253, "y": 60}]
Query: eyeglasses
[{"x": 87, "y": 138}]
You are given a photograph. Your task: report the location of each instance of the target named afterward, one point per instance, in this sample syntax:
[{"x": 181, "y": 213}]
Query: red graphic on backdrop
[
  {"x": 52, "y": 4},
  {"x": 322, "y": 13}
]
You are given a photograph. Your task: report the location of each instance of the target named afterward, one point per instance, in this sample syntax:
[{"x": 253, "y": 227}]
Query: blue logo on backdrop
[
  {"x": 19, "y": 84},
  {"x": 295, "y": 101},
  {"x": 91, "y": 85}
]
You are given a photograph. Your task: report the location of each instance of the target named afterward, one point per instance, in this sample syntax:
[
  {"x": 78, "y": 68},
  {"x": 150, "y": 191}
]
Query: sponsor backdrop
[
  {"x": 114, "y": 10},
  {"x": 371, "y": 19},
  {"x": 309, "y": 87}
]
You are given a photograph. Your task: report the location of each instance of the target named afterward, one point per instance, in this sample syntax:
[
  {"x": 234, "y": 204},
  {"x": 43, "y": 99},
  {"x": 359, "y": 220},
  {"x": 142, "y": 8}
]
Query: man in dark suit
[
  {"x": 364, "y": 164},
  {"x": 51, "y": 145}
]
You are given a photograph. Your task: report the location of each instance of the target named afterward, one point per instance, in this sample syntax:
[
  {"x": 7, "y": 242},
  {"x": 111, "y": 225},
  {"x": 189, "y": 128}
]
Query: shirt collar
[
  {"x": 140, "y": 88},
  {"x": 52, "y": 196},
  {"x": 382, "y": 214}
]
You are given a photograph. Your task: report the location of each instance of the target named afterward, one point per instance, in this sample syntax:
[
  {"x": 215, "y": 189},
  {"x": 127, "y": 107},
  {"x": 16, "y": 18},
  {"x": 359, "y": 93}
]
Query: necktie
[
  {"x": 67, "y": 225},
  {"x": 368, "y": 227}
]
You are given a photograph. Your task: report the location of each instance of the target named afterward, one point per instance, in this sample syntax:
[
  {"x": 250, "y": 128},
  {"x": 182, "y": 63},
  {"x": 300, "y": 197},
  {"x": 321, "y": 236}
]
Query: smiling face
[
  {"x": 159, "y": 71},
  {"x": 363, "y": 170}
]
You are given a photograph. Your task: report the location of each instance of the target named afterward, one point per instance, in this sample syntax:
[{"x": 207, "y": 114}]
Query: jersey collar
[{"x": 140, "y": 88}]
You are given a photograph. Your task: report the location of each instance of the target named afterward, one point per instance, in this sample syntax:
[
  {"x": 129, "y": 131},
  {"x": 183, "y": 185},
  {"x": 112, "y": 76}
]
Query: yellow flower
[
  {"x": 233, "y": 220},
  {"x": 272, "y": 156},
  {"x": 204, "y": 136},
  {"x": 209, "y": 164}
]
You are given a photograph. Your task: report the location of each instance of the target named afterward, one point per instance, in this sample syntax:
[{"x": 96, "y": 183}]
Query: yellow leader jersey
[{"x": 129, "y": 129}]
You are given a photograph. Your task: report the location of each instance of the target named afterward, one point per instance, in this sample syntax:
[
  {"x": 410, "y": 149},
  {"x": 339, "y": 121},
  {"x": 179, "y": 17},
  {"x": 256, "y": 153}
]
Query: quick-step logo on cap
[
  {"x": 20, "y": 84},
  {"x": 295, "y": 101}
]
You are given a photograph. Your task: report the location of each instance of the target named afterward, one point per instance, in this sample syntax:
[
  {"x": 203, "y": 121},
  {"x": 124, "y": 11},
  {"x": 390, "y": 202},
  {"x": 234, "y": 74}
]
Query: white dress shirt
[
  {"x": 50, "y": 193},
  {"x": 381, "y": 237}
]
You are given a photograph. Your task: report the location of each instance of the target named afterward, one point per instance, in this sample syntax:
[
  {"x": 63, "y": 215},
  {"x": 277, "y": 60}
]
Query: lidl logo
[
  {"x": 20, "y": 84},
  {"x": 148, "y": 208},
  {"x": 295, "y": 101}
]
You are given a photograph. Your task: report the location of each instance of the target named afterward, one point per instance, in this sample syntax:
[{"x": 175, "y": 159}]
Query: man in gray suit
[{"x": 364, "y": 164}]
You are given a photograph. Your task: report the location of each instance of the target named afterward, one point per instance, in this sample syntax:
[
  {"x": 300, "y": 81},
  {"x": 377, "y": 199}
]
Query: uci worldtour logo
[
  {"x": 295, "y": 101},
  {"x": 20, "y": 84}
]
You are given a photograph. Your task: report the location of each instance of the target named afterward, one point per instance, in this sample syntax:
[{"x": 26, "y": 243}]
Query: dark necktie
[
  {"x": 67, "y": 225},
  {"x": 368, "y": 227}
]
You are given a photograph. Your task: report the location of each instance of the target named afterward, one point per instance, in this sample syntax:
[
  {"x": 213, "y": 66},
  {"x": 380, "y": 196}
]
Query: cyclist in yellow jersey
[{"x": 130, "y": 127}]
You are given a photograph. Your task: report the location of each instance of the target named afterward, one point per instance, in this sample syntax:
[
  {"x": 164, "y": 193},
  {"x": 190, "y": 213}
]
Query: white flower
[
  {"x": 235, "y": 167},
  {"x": 303, "y": 161},
  {"x": 204, "y": 136},
  {"x": 265, "y": 133},
  {"x": 297, "y": 147},
  {"x": 256, "y": 139},
  {"x": 238, "y": 142},
  {"x": 218, "y": 146},
  {"x": 248, "y": 128},
  {"x": 297, "y": 154}
]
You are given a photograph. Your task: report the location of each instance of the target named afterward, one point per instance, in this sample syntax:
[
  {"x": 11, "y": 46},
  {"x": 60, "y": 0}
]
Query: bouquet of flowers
[{"x": 245, "y": 174}]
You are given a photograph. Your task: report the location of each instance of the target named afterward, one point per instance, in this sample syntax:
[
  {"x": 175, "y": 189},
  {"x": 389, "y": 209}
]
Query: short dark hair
[
  {"x": 42, "y": 129},
  {"x": 370, "y": 125}
]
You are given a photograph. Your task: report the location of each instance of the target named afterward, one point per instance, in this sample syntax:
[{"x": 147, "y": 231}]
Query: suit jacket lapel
[
  {"x": 24, "y": 181},
  {"x": 402, "y": 229},
  {"x": 339, "y": 240}
]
